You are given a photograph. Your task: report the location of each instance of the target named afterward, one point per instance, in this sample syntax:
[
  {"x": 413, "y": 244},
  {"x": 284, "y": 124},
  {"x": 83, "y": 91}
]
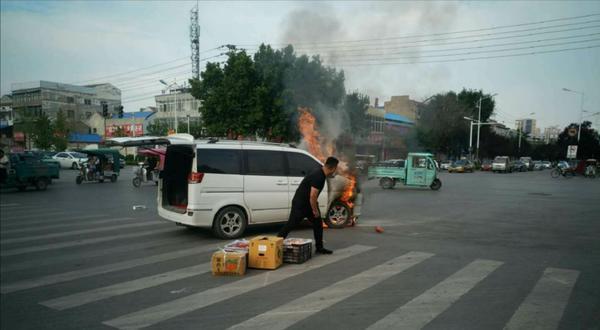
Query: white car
[
  {"x": 69, "y": 159},
  {"x": 229, "y": 185}
]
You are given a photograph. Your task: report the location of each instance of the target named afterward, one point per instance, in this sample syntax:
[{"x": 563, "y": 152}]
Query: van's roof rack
[{"x": 213, "y": 140}]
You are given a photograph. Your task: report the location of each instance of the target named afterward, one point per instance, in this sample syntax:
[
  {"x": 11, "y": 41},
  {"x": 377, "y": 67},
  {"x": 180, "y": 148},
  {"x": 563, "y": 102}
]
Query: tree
[
  {"x": 355, "y": 106},
  {"x": 60, "y": 139},
  {"x": 43, "y": 133},
  {"x": 158, "y": 128},
  {"x": 588, "y": 145}
]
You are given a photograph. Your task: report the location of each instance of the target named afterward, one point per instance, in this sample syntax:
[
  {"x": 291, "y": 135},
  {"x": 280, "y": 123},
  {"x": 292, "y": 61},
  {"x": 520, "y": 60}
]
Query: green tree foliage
[
  {"x": 43, "y": 134},
  {"x": 260, "y": 95},
  {"x": 355, "y": 106},
  {"x": 61, "y": 132},
  {"x": 158, "y": 128},
  {"x": 442, "y": 127},
  {"x": 589, "y": 142}
]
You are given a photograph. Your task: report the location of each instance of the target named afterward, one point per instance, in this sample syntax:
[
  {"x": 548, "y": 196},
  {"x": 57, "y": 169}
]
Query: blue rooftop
[
  {"x": 136, "y": 115},
  {"x": 398, "y": 118},
  {"x": 84, "y": 138}
]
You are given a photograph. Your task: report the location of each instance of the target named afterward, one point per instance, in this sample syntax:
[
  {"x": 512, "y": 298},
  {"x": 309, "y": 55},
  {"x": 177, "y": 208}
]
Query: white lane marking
[
  {"x": 80, "y": 232},
  {"x": 35, "y": 263},
  {"x": 9, "y": 204},
  {"x": 86, "y": 297},
  {"x": 36, "y": 214},
  {"x": 87, "y": 241},
  {"x": 421, "y": 310},
  {"x": 544, "y": 306},
  {"x": 33, "y": 224},
  {"x": 63, "y": 225},
  {"x": 165, "y": 311},
  {"x": 98, "y": 270},
  {"x": 287, "y": 315}
]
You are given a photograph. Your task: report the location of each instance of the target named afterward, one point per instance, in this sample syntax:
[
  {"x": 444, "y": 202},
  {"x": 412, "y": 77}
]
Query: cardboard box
[
  {"x": 266, "y": 252},
  {"x": 228, "y": 263}
]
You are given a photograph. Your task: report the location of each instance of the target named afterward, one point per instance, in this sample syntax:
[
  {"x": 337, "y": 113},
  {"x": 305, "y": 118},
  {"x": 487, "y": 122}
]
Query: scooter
[{"x": 143, "y": 175}]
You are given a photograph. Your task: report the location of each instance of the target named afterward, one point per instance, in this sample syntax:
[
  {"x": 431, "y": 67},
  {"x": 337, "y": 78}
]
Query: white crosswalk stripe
[
  {"x": 45, "y": 221},
  {"x": 106, "y": 292},
  {"x": 544, "y": 306},
  {"x": 421, "y": 310},
  {"x": 301, "y": 308},
  {"x": 36, "y": 214},
  {"x": 82, "y": 273},
  {"x": 62, "y": 225},
  {"x": 80, "y": 232},
  {"x": 165, "y": 311},
  {"x": 87, "y": 241}
]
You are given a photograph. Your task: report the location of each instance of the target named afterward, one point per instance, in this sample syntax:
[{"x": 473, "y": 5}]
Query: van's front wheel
[{"x": 230, "y": 223}]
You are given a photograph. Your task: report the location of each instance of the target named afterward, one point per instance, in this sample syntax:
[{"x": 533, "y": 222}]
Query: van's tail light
[{"x": 195, "y": 177}]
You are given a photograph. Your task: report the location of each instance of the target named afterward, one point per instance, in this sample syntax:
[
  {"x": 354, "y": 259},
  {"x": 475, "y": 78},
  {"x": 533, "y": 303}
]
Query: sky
[{"x": 134, "y": 44}]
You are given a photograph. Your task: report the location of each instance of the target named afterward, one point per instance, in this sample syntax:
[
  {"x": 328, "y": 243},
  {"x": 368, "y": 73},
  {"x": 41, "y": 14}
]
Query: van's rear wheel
[{"x": 230, "y": 222}]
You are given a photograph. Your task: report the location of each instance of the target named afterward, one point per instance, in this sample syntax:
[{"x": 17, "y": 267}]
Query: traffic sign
[
  {"x": 572, "y": 152},
  {"x": 572, "y": 131}
]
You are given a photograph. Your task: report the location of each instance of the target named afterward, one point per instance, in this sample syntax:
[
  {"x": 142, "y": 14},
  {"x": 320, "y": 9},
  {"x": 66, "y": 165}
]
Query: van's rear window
[{"x": 219, "y": 161}]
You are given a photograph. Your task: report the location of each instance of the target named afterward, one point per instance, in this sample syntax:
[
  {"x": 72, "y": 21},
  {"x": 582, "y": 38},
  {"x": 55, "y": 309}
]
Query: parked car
[
  {"x": 445, "y": 165},
  {"x": 486, "y": 165},
  {"x": 70, "y": 159},
  {"x": 547, "y": 164},
  {"x": 461, "y": 166},
  {"x": 501, "y": 164},
  {"x": 538, "y": 165},
  {"x": 227, "y": 186},
  {"x": 519, "y": 166},
  {"x": 528, "y": 162}
]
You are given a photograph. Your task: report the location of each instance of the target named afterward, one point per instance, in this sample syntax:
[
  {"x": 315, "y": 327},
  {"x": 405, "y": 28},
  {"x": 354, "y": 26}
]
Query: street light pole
[
  {"x": 479, "y": 121},
  {"x": 580, "y": 111}
]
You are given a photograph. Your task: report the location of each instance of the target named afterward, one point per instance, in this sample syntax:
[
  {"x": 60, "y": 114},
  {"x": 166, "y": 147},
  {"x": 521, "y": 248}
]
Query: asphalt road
[{"x": 487, "y": 251}]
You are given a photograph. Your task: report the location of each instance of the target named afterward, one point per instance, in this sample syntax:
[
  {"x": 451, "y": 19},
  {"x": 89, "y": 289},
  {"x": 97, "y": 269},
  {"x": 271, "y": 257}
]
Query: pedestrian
[
  {"x": 4, "y": 164},
  {"x": 305, "y": 203}
]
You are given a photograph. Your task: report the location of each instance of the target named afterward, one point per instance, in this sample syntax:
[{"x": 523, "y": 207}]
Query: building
[
  {"x": 551, "y": 133},
  {"x": 6, "y": 112},
  {"x": 78, "y": 103},
  {"x": 402, "y": 105},
  {"x": 178, "y": 103},
  {"x": 500, "y": 129},
  {"x": 527, "y": 126}
]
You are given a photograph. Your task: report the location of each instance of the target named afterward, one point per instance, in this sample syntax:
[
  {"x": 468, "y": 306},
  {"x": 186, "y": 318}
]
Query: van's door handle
[
  {"x": 295, "y": 183},
  {"x": 282, "y": 183}
]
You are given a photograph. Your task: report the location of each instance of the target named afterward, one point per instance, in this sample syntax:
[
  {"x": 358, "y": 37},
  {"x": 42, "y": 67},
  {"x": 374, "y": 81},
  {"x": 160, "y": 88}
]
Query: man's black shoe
[{"x": 324, "y": 251}]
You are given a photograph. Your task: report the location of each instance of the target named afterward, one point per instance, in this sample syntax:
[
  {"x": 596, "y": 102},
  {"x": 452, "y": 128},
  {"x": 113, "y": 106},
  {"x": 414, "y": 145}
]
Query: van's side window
[
  {"x": 221, "y": 161},
  {"x": 300, "y": 164},
  {"x": 262, "y": 162}
]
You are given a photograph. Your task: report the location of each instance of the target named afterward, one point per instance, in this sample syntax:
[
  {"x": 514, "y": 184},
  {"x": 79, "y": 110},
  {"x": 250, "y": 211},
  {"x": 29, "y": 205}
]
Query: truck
[
  {"x": 27, "y": 170},
  {"x": 418, "y": 170}
]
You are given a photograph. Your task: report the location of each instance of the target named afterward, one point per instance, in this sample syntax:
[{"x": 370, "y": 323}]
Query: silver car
[{"x": 501, "y": 164}]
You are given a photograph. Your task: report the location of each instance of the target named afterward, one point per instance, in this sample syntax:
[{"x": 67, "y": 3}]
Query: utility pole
[
  {"x": 195, "y": 42},
  {"x": 479, "y": 121}
]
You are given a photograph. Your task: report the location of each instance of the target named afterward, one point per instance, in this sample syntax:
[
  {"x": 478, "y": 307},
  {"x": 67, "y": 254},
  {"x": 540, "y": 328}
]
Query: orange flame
[{"x": 321, "y": 148}]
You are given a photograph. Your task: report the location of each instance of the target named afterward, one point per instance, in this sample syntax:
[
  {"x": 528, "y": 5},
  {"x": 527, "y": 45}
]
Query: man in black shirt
[{"x": 305, "y": 203}]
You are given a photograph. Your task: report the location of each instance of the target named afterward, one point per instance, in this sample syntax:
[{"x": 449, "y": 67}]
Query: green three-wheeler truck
[{"x": 419, "y": 170}]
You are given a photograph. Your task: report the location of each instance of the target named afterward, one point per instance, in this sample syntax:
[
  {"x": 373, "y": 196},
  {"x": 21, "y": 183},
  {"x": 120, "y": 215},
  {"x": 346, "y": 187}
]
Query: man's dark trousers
[{"x": 296, "y": 216}]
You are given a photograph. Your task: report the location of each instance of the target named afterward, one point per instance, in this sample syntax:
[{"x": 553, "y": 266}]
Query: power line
[
  {"x": 444, "y": 33},
  {"x": 476, "y": 58},
  {"x": 401, "y": 46},
  {"x": 135, "y": 84},
  {"x": 466, "y": 48},
  {"x": 145, "y": 68},
  {"x": 472, "y": 52}
]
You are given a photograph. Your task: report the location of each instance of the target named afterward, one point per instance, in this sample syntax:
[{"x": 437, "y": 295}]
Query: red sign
[
  {"x": 19, "y": 136},
  {"x": 138, "y": 129}
]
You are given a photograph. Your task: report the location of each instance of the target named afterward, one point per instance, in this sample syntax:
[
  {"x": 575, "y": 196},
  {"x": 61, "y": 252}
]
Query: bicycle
[{"x": 565, "y": 172}]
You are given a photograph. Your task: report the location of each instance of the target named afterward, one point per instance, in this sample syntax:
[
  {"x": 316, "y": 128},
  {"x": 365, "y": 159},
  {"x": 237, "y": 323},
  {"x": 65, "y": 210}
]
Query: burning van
[{"x": 229, "y": 185}]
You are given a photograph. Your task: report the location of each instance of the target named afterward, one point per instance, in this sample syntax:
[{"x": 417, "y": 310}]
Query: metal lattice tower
[{"x": 195, "y": 42}]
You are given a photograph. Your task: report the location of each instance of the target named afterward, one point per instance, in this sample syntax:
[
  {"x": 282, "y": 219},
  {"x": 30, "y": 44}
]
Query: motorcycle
[{"x": 142, "y": 174}]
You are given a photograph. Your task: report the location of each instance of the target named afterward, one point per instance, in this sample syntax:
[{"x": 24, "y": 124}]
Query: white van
[{"x": 229, "y": 185}]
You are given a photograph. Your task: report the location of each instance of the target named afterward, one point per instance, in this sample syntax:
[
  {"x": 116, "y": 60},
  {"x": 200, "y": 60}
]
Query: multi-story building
[
  {"x": 551, "y": 133},
  {"x": 6, "y": 112},
  {"x": 78, "y": 103},
  {"x": 402, "y": 105},
  {"x": 526, "y": 125},
  {"x": 177, "y": 103}
]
